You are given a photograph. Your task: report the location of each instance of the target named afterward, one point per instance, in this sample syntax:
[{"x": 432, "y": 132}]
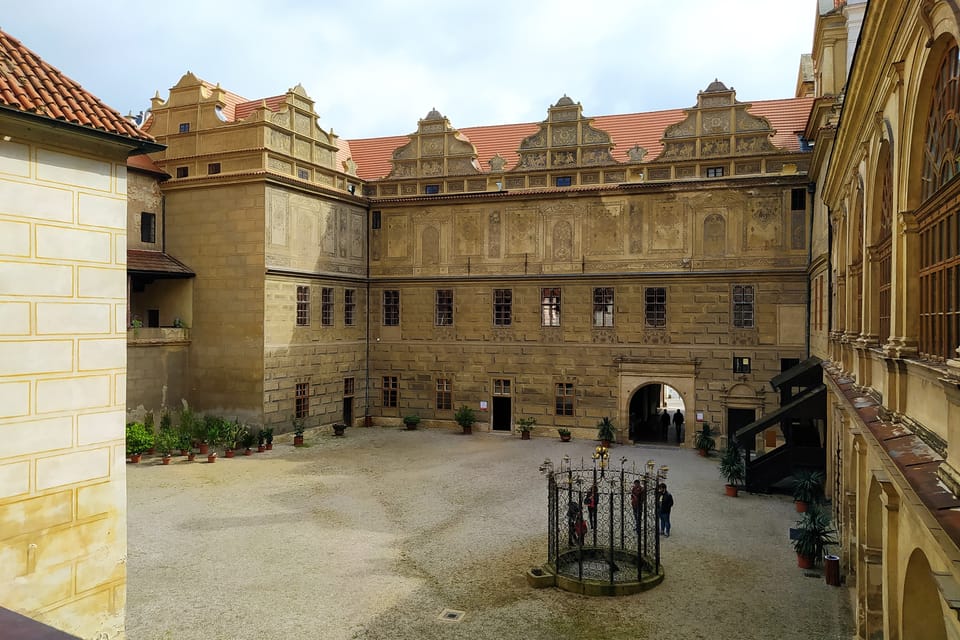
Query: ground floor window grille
[{"x": 301, "y": 408}]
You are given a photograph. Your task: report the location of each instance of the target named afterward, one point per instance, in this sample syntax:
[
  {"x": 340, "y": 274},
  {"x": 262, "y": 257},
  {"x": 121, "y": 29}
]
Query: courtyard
[{"x": 374, "y": 535}]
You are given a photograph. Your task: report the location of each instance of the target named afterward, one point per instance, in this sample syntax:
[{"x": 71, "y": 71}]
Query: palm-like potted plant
[
  {"x": 606, "y": 432},
  {"x": 139, "y": 439},
  {"x": 411, "y": 421},
  {"x": 465, "y": 417},
  {"x": 268, "y": 434},
  {"x": 261, "y": 440},
  {"x": 732, "y": 466},
  {"x": 564, "y": 434},
  {"x": 167, "y": 440},
  {"x": 704, "y": 440},
  {"x": 526, "y": 426},
  {"x": 813, "y": 535},
  {"x": 807, "y": 488},
  {"x": 246, "y": 441}
]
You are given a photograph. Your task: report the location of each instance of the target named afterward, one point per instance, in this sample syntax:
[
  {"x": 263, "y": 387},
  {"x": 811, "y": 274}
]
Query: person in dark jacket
[
  {"x": 664, "y": 506},
  {"x": 591, "y": 500},
  {"x": 664, "y": 425},
  {"x": 678, "y": 424}
]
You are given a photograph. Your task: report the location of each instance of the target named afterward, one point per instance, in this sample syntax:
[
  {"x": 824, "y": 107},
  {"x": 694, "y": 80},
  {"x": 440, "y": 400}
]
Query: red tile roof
[
  {"x": 156, "y": 262},
  {"x": 788, "y": 117},
  {"x": 144, "y": 163},
  {"x": 244, "y": 109},
  {"x": 30, "y": 85}
]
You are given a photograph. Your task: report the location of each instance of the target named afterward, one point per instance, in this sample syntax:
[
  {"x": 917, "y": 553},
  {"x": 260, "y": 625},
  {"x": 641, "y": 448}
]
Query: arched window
[
  {"x": 883, "y": 240},
  {"x": 855, "y": 270},
  {"x": 938, "y": 218}
]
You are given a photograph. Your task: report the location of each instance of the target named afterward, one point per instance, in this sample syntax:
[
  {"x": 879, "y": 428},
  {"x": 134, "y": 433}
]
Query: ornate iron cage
[{"x": 603, "y": 522}]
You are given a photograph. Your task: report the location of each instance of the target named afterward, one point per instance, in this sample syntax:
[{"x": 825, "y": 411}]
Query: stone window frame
[
  {"x": 301, "y": 400},
  {"x": 444, "y": 394},
  {"x": 550, "y": 306},
  {"x": 655, "y": 307},
  {"x": 391, "y": 308},
  {"x": 183, "y": 172},
  {"x": 303, "y": 305},
  {"x": 349, "y": 387},
  {"x": 603, "y": 301},
  {"x": 213, "y": 168},
  {"x": 443, "y": 307},
  {"x": 743, "y": 299},
  {"x": 326, "y": 306},
  {"x": 148, "y": 227},
  {"x": 349, "y": 307},
  {"x": 741, "y": 364},
  {"x": 564, "y": 395},
  {"x": 715, "y": 172},
  {"x": 390, "y": 392}
]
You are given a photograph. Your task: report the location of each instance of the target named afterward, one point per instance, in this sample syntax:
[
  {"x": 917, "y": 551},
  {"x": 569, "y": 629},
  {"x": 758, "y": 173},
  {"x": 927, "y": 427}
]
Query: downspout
[
  {"x": 811, "y": 190},
  {"x": 366, "y": 314}
]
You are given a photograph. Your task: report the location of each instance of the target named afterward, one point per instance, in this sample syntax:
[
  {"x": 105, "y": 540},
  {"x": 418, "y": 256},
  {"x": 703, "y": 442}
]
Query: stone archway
[
  {"x": 922, "y": 613},
  {"x": 647, "y": 406},
  {"x": 636, "y": 373}
]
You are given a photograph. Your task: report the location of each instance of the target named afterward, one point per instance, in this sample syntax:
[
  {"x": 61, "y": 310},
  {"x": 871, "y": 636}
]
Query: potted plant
[
  {"x": 564, "y": 434},
  {"x": 139, "y": 439},
  {"x": 526, "y": 426},
  {"x": 339, "y": 428},
  {"x": 148, "y": 423},
  {"x": 167, "y": 440},
  {"x": 212, "y": 434},
  {"x": 269, "y": 437},
  {"x": 704, "y": 441},
  {"x": 261, "y": 440},
  {"x": 606, "y": 431},
  {"x": 411, "y": 421},
  {"x": 732, "y": 466},
  {"x": 465, "y": 417},
  {"x": 813, "y": 535},
  {"x": 246, "y": 441},
  {"x": 298, "y": 428},
  {"x": 807, "y": 488}
]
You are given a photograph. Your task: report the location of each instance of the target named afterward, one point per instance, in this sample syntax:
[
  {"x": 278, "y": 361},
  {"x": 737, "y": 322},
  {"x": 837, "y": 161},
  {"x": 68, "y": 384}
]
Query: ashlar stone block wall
[{"x": 62, "y": 379}]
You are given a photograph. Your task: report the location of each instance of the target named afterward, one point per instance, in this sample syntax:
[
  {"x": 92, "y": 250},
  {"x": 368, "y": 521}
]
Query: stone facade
[
  {"x": 885, "y": 315},
  {"x": 62, "y": 377}
]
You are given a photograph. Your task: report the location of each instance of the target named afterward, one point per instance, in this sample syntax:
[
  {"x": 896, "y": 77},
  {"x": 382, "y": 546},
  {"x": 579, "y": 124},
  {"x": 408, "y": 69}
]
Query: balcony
[{"x": 149, "y": 336}]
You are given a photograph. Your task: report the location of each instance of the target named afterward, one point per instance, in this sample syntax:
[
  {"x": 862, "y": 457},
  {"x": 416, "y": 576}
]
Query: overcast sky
[{"x": 374, "y": 67}]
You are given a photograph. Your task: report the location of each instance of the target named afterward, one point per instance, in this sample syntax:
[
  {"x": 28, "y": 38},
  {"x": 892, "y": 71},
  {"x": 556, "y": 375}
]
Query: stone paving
[{"x": 381, "y": 533}]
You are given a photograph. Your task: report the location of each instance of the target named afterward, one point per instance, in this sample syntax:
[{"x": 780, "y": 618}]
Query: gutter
[{"x": 138, "y": 146}]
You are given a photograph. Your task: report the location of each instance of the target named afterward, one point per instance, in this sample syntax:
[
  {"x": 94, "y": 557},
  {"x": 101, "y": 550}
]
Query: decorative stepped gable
[
  {"x": 565, "y": 139},
  {"x": 285, "y": 125},
  {"x": 718, "y": 126},
  {"x": 436, "y": 149}
]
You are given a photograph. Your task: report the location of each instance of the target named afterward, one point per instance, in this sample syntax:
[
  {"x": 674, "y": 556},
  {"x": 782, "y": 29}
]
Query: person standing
[
  {"x": 664, "y": 425},
  {"x": 678, "y": 424},
  {"x": 591, "y": 500},
  {"x": 636, "y": 501},
  {"x": 664, "y": 507}
]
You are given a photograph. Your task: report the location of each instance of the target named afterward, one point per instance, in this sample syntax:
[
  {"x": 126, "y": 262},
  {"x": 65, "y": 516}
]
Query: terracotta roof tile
[
  {"x": 30, "y": 85},
  {"x": 144, "y": 163},
  {"x": 230, "y": 100},
  {"x": 244, "y": 109},
  {"x": 156, "y": 262},
  {"x": 788, "y": 117}
]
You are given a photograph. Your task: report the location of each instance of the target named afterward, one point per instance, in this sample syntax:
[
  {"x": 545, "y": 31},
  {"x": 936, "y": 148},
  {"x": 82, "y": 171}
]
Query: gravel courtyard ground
[{"x": 372, "y": 535}]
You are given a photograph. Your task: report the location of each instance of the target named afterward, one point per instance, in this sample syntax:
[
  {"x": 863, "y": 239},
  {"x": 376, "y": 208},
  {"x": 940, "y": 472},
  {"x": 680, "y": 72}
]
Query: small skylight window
[{"x": 564, "y": 181}]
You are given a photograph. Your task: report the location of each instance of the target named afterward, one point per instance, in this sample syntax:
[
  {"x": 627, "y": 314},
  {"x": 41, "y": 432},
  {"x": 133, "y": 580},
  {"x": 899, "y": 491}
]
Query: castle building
[{"x": 63, "y": 320}]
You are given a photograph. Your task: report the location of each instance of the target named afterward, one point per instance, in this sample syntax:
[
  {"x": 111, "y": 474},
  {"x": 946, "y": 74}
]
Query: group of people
[
  {"x": 578, "y": 526},
  {"x": 677, "y": 423}
]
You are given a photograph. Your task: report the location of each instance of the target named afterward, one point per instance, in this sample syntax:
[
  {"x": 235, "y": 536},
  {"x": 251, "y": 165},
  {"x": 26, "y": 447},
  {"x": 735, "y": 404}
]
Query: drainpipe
[
  {"x": 367, "y": 421},
  {"x": 811, "y": 190}
]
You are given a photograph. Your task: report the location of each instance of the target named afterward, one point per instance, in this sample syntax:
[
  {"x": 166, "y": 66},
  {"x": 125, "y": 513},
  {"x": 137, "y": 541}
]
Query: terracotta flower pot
[
  {"x": 228, "y": 453},
  {"x": 298, "y": 441},
  {"x": 801, "y": 506},
  {"x": 212, "y": 457},
  {"x": 732, "y": 491},
  {"x": 524, "y": 435},
  {"x": 467, "y": 430},
  {"x": 184, "y": 452},
  {"x": 565, "y": 438},
  {"x": 269, "y": 446},
  {"x": 702, "y": 452},
  {"x": 248, "y": 451},
  {"x": 204, "y": 449},
  {"x": 191, "y": 456},
  {"x": 135, "y": 457},
  {"x": 804, "y": 562},
  {"x": 166, "y": 459},
  {"x": 261, "y": 448}
]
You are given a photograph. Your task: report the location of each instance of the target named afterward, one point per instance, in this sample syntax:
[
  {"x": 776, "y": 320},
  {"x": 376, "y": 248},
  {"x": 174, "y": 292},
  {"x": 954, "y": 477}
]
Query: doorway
[
  {"x": 348, "y": 411},
  {"x": 501, "y": 410},
  {"x": 739, "y": 418},
  {"x": 657, "y": 414}
]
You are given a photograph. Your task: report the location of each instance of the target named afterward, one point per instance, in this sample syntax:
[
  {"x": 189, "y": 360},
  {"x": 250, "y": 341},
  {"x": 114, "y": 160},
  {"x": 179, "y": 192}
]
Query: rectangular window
[
  {"x": 349, "y": 306},
  {"x": 213, "y": 168},
  {"x": 374, "y": 219},
  {"x": 741, "y": 364},
  {"x": 501, "y": 387},
  {"x": 183, "y": 172},
  {"x": 714, "y": 172},
  {"x": 655, "y": 310},
  {"x": 148, "y": 227},
  {"x": 502, "y": 307},
  {"x": 798, "y": 199},
  {"x": 564, "y": 181},
  {"x": 184, "y": 127},
  {"x": 349, "y": 387},
  {"x": 550, "y": 306},
  {"x": 444, "y": 308},
  {"x": 431, "y": 189},
  {"x": 391, "y": 308},
  {"x": 390, "y": 391},
  {"x": 444, "y": 395},
  {"x": 326, "y": 306},
  {"x": 303, "y": 174},
  {"x": 603, "y": 306},
  {"x": 301, "y": 408},
  {"x": 564, "y": 397},
  {"x": 743, "y": 306},
  {"x": 303, "y": 306}
]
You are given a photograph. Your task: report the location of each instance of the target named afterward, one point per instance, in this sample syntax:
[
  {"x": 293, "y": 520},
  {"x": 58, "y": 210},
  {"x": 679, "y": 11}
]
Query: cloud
[{"x": 376, "y": 67}]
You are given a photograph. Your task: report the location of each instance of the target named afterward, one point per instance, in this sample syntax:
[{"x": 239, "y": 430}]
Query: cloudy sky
[{"x": 374, "y": 67}]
